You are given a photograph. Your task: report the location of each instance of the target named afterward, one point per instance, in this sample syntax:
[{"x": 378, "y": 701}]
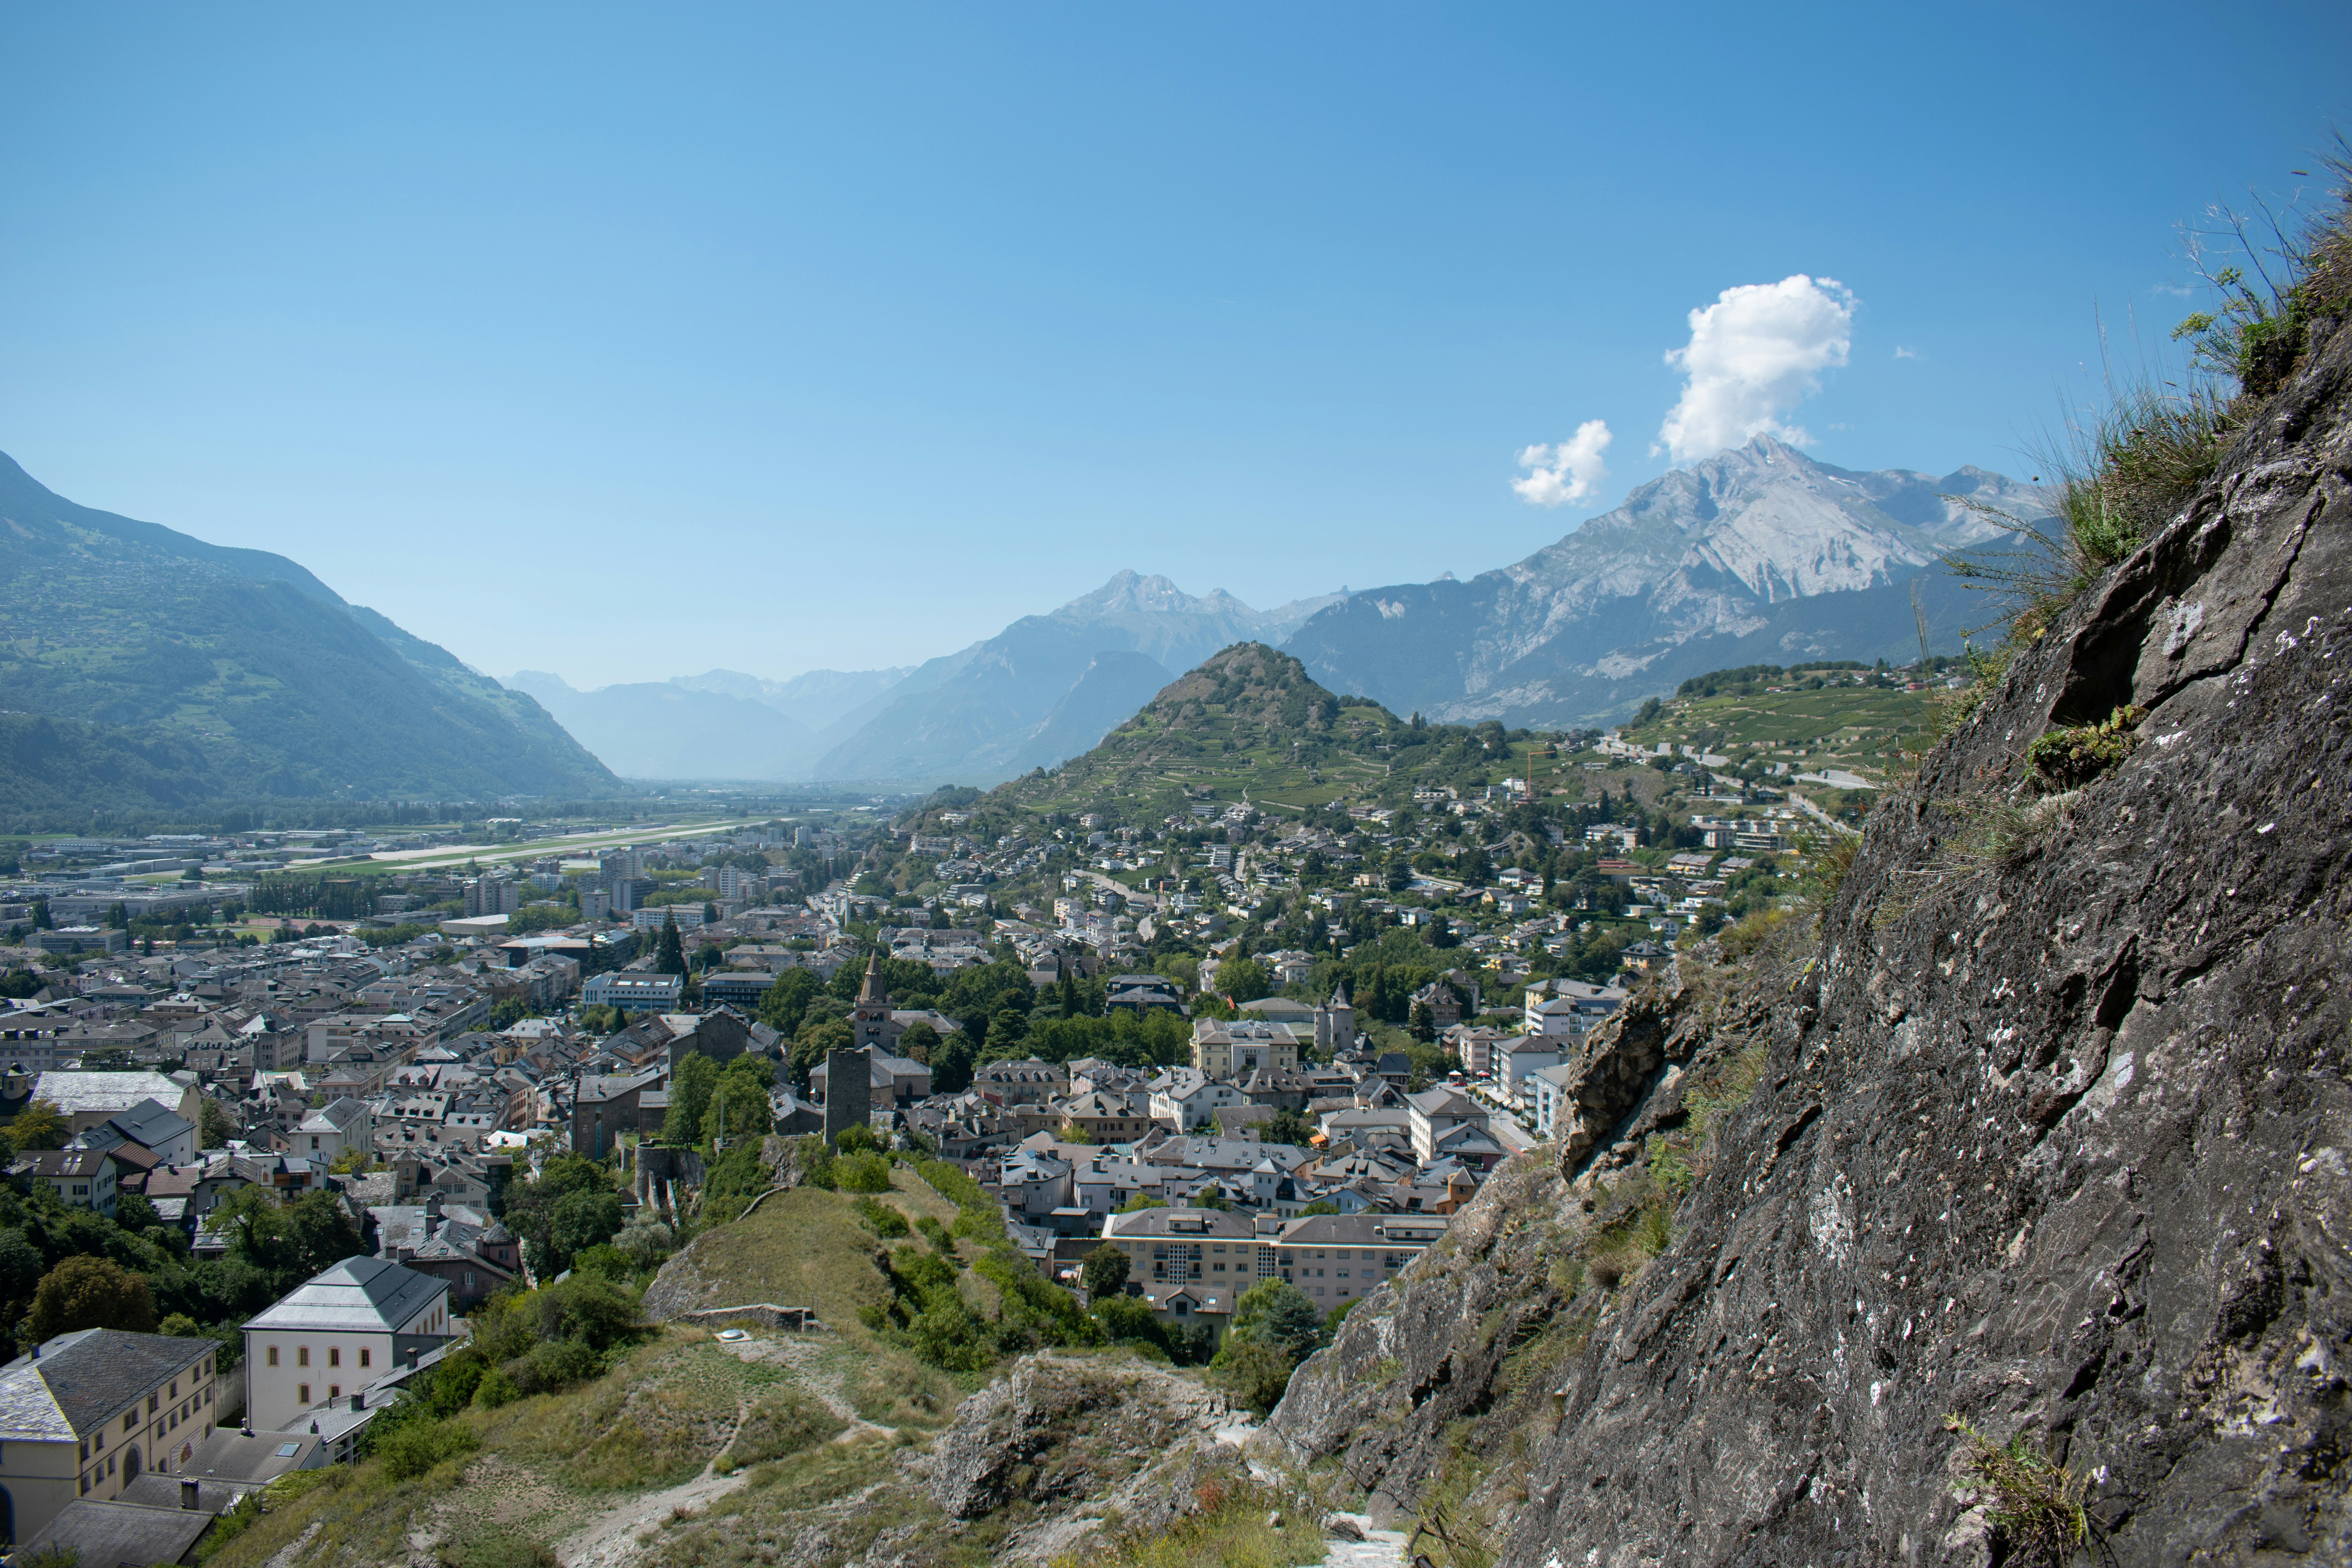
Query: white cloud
[
  {"x": 1570, "y": 472},
  {"x": 1754, "y": 354},
  {"x": 1904, "y": 351}
]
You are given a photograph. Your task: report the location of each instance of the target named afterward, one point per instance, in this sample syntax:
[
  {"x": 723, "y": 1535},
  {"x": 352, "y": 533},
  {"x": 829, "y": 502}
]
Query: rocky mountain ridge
[
  {"x": 1757, "y": 555},
  {"x": 2040, "y": 1125}
]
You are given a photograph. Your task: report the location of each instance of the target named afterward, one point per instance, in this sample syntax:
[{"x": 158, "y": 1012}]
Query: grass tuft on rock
[{"x": 2035, "y": 1504}]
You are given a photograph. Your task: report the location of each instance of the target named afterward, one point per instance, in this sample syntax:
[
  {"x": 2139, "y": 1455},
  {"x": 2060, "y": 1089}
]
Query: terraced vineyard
[{"x": 1865, "y": 730}]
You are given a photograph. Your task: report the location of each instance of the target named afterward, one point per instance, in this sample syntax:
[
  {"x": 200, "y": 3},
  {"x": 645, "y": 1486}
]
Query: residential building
[
  {"x": 1338, "y": 1258},
  {"x": 1109, "y": 1115},
  {"x": 338, "y": 1125},
  {"x": 1474, "y": 1046},
  {"x": 82, "y": 1178},
  {"x": 1441, "y": 1003},
  {"x": 150, "y": 1133},
  {"x": 1569, "y": 1007},
  {"x": 1186, "y": 1099},
  {"x": 605, "y": 1107},
  {"x": 1225, "y": 1048},
  {"x": 1183, "y": 1259},
  {"x": 1548, "y": 1090},
  {"x": 82, "y": 939},
  {"x": 739, "y": 988},
  {"x": 1144, "y": 994},
  {"x": 1025, "y": 1082},
  {"x": 88, "y": 1412},
  {"x": 343, "y": 1329},
  {"x": 1523, "y": 1053},
  {"x": 1434, "y": 1113}
]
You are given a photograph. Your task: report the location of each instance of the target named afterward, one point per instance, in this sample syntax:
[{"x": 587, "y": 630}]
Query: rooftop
[
  {"x": 111, "y": 1092},
  {"x": 364, "y": 1294},
  {"x": 77, "y": 1381}
]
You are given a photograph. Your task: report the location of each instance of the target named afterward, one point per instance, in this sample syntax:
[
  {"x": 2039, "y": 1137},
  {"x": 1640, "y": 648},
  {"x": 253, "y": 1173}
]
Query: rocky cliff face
[{"x": 2048, "y": 1130}]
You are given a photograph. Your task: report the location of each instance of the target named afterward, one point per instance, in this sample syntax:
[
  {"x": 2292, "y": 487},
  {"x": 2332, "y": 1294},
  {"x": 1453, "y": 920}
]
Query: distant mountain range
[
  {"x": 1046, "y": 688},
  {"x": 720, "y": 724},
  {"x": 1759, "y": 554},
  {"x": 1756, "y": 555},
  {"x": 141, "y": 669}
]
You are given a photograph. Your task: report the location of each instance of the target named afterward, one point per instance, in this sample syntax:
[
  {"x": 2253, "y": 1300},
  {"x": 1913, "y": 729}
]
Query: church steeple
[{"x": 869, "y": 1020}]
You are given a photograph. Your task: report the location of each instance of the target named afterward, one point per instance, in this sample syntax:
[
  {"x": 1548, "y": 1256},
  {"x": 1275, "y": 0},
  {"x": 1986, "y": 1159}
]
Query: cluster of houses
[{"x": 123, "y": 1446}]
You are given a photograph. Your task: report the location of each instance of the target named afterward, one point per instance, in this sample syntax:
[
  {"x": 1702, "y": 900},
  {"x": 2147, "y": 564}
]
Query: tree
[
  {"x": 215, "y": 1127},
  {"x": 743, "y": 1095},
  {"x": 918, "y": 1042},
  {"x": 580, "y": 1220},
  {"x": 1424, "y": 1027},
  {"x": 670, "y": 957},
  {"x": 1104, "y": 1271},
  {"x": 1244, "y": 979},
  {"x": 133, "y": 1213},
  {"x": 1320, "y": 1206},
  {"x": 951, "y": 1064},
  {"x": 39, "y": 1125},
  {"x": 86, "y": 1292},
  {"x": 1140, "y": 1201},
  {"x": 1279, "y": 1314},
  {"x": 1286, "y": 1126},
  {"x": 1007, "y": 1030},
  {"x": 1256, "y": 1374},
  {"x": 531, "y": 1205},
  {"x": 690, "y": 1090},
  {"x": 1399, "y": 876},
  {"x": 814, "y": 1040}
]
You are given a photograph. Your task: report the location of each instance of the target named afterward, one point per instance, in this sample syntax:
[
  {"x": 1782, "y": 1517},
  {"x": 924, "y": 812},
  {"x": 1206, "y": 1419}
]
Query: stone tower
[
  {"x": 869, "y": 1021},
  {"x": 848, "y": 1091},
  {"x": 1335, "y": 1022}
]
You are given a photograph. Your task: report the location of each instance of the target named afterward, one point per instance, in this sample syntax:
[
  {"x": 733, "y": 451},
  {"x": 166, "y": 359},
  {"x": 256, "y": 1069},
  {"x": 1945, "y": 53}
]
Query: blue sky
[{"x": 630, "y": 341}]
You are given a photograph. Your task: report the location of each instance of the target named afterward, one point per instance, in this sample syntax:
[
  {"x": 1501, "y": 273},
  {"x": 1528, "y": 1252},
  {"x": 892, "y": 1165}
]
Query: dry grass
[
  {"x": 549, "y": 1463},
  {"x": 806, "y": 1247},
  {"x": 785, "y": 1421},
  {"x": 1231, "y": 1525},
  {"x": 783, "y": 1501}
]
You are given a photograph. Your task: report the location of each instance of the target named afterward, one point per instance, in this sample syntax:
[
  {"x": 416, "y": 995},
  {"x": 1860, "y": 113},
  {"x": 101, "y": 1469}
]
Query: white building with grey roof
[
  {"x": 340, "y": 1330},
  {"x": 87, "y": 1413},
  {"x": 88, "y": 1100}
]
